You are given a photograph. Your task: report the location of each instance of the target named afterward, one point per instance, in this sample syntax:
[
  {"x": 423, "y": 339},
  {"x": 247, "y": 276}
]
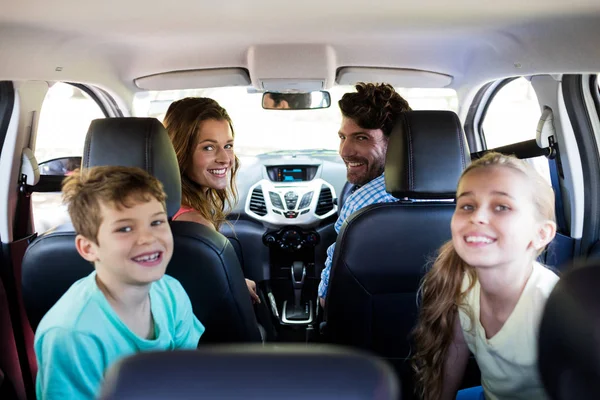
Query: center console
[
  {"x": 294, "y": 203},
  {"x": 294, "y": 279}
]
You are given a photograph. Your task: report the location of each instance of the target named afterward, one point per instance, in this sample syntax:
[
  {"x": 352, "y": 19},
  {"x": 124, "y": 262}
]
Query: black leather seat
[
  {"x": 569, "y": 339},
  {"x": 344, "y": 195},
  {"x": 236, "y": 372},
  {"x": 382, "y": 249},
  {"x": 203, "y": 260}
]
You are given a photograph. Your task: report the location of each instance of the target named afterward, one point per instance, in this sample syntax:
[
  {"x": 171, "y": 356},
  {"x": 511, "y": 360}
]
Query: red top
[{"x": 182, "y": 210}]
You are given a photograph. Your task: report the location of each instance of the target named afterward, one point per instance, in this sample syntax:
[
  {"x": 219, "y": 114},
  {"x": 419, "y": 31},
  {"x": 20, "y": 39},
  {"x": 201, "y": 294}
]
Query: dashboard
[{"x": 290, "y": 190}]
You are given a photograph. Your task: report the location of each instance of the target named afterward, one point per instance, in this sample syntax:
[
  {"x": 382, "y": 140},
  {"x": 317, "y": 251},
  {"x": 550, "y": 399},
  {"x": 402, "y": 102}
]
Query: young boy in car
[{"x": 128, "y": 304}]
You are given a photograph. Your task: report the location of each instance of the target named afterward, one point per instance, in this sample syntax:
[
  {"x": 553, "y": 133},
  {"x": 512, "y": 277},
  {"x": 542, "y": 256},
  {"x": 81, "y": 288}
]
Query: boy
[{"x": 127, "y": 304}]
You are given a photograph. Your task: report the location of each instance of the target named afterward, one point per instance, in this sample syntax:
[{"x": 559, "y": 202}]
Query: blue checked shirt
[{"x": 371, "y": 193}]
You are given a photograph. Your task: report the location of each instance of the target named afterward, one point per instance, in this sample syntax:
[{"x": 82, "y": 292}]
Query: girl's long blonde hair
[
  {"x": 440, "y": 292},
  {"x": 182, "y": 121}
]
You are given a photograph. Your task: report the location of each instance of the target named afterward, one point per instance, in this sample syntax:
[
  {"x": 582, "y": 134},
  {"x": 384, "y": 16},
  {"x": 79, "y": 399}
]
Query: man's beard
[{"x": 372, "y": 172}]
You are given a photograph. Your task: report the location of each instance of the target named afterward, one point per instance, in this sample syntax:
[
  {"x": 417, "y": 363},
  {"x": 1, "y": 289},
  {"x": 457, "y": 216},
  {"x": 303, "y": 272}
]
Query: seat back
[
  {"x": 203, "y": 260},
  {"x": 235, "y": 372},
  {"x": 569, "y": 338},
  {"x": 382, "y": 250}
]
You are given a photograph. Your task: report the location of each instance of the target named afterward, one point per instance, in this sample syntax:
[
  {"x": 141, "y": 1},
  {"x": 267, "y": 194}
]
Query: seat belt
[{"x": 553, "y": 162}]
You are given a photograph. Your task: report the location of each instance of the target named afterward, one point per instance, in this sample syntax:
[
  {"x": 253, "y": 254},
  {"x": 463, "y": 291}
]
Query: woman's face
[{"x": 213, "y": 156}]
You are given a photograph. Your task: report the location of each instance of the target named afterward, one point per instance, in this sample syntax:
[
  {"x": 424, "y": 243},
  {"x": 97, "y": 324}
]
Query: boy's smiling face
[{"x": 134, "y": 244}]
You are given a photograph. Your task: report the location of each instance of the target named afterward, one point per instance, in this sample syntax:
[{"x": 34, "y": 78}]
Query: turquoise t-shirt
[{"x": 81, "y": 336}]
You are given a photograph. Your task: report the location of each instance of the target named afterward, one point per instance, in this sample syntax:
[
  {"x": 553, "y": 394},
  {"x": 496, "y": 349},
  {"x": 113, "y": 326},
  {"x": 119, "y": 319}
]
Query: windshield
[{"x": 259, "y": 131}]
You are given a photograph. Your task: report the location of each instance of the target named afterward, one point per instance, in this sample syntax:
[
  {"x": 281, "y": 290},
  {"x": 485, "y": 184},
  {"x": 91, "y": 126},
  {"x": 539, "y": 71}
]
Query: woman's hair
[
  {"x": 440, "y": 292},
  {"x": 183, "y": 121}
]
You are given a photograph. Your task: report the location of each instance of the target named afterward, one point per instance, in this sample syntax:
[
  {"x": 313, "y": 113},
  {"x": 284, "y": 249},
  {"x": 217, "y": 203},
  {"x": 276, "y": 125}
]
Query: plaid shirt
[{"x": 371, "y": 193}]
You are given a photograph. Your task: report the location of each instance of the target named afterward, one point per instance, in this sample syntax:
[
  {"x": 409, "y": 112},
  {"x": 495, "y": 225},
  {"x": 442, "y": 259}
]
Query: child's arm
[
  {"x": 70, "y": 365},
  {"x": 456, "y": 362}
]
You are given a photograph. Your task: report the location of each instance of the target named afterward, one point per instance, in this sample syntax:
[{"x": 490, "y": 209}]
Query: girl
[
  {"x": 202, "y": 135},
  {"x": 485, "y": 292}
]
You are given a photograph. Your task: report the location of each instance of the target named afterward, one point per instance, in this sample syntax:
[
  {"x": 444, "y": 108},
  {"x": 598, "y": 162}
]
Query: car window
[
  {"x": 512, "y": 116},
  {"x": 64, "y": 121}
]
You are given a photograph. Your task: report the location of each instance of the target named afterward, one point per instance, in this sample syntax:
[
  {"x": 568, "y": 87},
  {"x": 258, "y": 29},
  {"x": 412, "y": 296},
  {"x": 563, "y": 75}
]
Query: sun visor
[
  {"x": 195, "y": 79},
  {"x": 397, "y": 77},
  {"x": 292, "y": 67}
]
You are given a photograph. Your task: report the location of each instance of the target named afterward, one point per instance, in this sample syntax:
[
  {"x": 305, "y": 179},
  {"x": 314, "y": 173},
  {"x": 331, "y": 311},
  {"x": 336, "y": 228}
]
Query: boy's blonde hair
[
  {"x": 115, "y": 186},
  {"x": 440, "y": 292}
]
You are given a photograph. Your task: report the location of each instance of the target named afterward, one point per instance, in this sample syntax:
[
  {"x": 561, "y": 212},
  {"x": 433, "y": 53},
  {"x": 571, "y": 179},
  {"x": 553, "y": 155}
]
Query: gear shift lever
[
  {"x": 298, "y": 273},
  {"x": 297, "y": 312}
]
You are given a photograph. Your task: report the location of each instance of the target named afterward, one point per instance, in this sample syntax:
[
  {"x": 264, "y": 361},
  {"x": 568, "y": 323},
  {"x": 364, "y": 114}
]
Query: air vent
[
  {"x": 325, "y": 203},
  {"x": 257, "y": 202}
]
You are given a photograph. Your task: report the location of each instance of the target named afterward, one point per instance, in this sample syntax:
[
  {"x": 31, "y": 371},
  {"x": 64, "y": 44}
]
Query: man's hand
[
  {"x": 252, "y": 289},
  {"x": 322, "y": 302}
]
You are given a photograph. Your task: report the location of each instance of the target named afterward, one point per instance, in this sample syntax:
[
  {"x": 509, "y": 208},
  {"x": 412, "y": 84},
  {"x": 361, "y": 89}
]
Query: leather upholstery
[
  {"x": 292, "y": 373},
  {"x": 344, "y": 195},
  {"x": 203, "y": 261},
  {"x": 135, "y": 142},
  {"x": 569, "y": 343},
  {"x": 382, "y": 250},
  {"x": 426, "y": 155}
]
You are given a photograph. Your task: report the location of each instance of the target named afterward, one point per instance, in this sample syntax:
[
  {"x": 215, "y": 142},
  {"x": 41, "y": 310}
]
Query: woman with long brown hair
[{"x": 202, "y": 134}]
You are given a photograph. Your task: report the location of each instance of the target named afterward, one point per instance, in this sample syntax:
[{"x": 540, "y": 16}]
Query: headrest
[
  {"x": 135, "y": 142},
  {"x": 293, "y": 371},
  {"x": 426, "y": 155},
  {"x": 569, "y": 345}
]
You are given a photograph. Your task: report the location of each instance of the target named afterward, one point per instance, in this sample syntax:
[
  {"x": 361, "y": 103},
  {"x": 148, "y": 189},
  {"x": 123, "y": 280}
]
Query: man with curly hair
[{"x": 368, "y": 116}]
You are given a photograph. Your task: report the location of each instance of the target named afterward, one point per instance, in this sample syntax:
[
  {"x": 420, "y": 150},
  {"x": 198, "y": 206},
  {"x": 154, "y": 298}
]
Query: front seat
[
  {"x": 203, "y": 260},
  {"x": 294, "y": 372},
  {"x": 382, "y": 250},
  {"x": 569, "y": 338}
]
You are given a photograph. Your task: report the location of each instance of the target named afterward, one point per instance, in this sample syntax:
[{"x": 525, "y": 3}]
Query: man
[
  {"x": 368, "y": 115},
  {"x": 294, "y": 101}
]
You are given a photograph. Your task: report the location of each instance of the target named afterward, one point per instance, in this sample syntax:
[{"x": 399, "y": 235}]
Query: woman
[{"x": 202, "y": 135}]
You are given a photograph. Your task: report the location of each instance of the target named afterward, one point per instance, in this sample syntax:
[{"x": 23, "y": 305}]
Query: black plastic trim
[
  {"x": 526, "y": 149},
  {"x": 7, "y": 102},
  {"x": 93, "y": 96},
  {"x": 469, "y": 127},
  {"x": 479, "y": 129}
]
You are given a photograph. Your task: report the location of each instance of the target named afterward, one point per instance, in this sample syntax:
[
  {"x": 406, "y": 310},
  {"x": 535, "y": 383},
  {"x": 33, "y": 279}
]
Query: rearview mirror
[
  {"x": 60, "y": 166},
  {"x": 296, "y": 101}
]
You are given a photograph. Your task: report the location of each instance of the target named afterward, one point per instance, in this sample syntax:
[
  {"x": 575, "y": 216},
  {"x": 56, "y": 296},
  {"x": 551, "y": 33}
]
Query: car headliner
[{"x": 111, "y": 43}]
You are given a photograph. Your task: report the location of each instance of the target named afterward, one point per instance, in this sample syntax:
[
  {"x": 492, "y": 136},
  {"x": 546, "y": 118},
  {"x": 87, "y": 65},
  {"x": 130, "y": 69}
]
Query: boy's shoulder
[
  {"x": 169, "y": 289},
  {"x": 168, "y": 284},
  {"x": 75, "y": 309}
]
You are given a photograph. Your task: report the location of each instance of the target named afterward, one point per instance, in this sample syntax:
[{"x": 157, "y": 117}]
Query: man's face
[
  {"x": 270, "y": 104},
  {"x": 134, "y": 245},
  {"x": 363, "y": 151}
]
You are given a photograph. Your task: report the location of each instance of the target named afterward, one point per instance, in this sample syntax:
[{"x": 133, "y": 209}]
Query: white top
[{"x": 508, "y": 361}]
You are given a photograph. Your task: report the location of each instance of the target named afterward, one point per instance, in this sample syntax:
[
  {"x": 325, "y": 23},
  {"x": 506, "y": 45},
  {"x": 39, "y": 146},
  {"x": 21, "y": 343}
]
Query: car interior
[{"x": 85, "y": 85}]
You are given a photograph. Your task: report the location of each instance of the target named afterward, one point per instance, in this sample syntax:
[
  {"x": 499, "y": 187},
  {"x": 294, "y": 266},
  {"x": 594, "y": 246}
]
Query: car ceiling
[{"x": 110, "y": 43}]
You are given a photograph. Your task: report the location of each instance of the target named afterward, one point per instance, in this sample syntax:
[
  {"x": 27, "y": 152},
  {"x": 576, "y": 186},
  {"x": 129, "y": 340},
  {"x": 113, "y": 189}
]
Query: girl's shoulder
[{"x": 543, "y": 279}]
